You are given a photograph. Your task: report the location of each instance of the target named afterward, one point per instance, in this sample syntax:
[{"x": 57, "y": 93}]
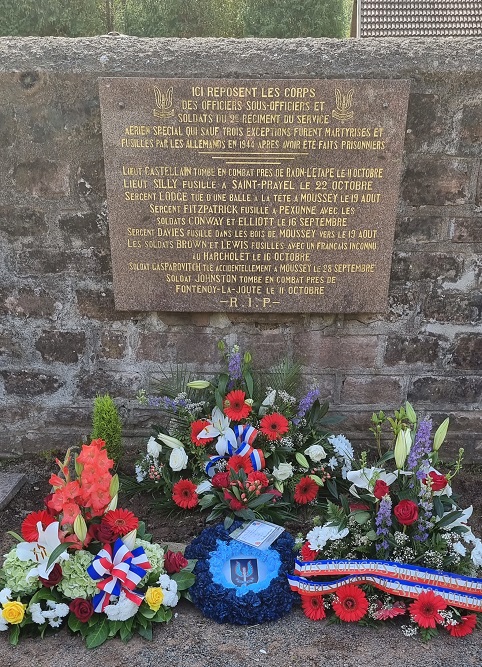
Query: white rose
[
  {"x": 315, "y": 452},
  {"x": 153, "y": 448},
  {"x": 178, "y": 459},
  {"x": 283, "y": 471}
]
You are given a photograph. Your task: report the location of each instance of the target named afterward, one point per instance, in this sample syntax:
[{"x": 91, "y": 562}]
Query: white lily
[
  {"x": 203, "y": 487},
  {"x": 39, "y": 552},
  {"x": 219, "y": 426},
  {"x": 267, "y": 403},
  {"x": 365, "y": 478},
  {"x": 462, "y": 520}
]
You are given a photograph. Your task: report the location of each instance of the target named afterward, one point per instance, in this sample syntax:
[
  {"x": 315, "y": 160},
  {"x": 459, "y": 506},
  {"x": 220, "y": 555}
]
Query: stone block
[
  {"x": 449, "y": 391},
  {"x": 437, "y": 180},
  {"x": 470, "y": 140},
  {"x": 467, "y": 352},
  {"x": 9, "y": 345},
  {"x": 99, "y": 305},
  {"x": 91, "y": 179},
  {"x": 113, "y": 345},
  {"x": 8, "y": 127},
  {"x": 196, "y": 347},
  {"x": 425, "y": 121},
  {"x": 26, "y": 302},
  {"x": 454, "y": 306},
  {"x": 155, "y": 346},
  {"x": 30, "y": 383},
  {"x": 63, "y": 346},
  {"x": 371, "y": 390},
  {"x": 82, "y": 230},
  {"x": 10, "y": 484},
  {"x": 419, "y": 349},
  {"x": 316, "y": 351},
  {"x": 426, "y": 266},
  {"x": 267, "y": 348},
  {"x": 43, "y": 178},
  {"x": 421, "y": 229},
  {"x": 44, "y": 261},
  {"x": 466, "y": 230},
  {"x": 120, "y": 385},
  {"x": 22, "y": 223}
]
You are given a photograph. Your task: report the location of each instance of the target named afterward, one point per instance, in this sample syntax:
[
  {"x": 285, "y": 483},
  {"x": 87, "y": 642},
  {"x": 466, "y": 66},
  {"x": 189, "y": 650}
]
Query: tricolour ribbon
[
  {"x": 245, "y": 436},
  {"x": 117, "y": 569},
  {"x": 395, "y": 578}
]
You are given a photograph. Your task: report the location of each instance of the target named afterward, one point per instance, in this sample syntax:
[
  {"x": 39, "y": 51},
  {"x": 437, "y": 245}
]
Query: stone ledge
[{"x": 10, "y": 484}]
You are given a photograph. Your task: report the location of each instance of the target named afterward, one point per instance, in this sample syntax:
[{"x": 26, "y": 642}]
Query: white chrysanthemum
[
  {"x": 122, "y": 609},
  {"x": 333, "y": 462},
  {"x": 169, "y": 589},
  {"x": 477, "y": 553},
  {"x": 342, "y": 447},
  {"x": 140, "y": 474},
  {"x": 54, "y": 613},
  {"x": 459, "y": 548},
  {"x": 3, "y": 624},
  {"x": 320, "y": 535},
  {"x": 153, "y": 448},
  {"x": 36, "y": 613}
]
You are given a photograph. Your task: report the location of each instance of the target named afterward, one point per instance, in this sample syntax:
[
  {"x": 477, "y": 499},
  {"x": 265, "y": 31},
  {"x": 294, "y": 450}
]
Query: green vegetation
[
  {"x": 107, "y": 425},
  {"x": 176, "y": 18}
]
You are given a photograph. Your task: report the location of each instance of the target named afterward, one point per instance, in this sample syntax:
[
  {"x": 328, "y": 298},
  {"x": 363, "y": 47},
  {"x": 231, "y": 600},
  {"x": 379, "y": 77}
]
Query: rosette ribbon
[
  {"x": 395, "y": 578},
  {"x": 117, "y": 569},
  {"x": 245, "y": 436}
]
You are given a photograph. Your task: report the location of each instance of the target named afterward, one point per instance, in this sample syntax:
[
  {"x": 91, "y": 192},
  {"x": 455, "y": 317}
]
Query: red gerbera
[
  {"x": 196, "y": 428},
  {"x": 307, "y": 553},
  {"x": 238, "y": 463},
  {"x": 235, "y": 406},
  {"x": 426, "y": 609},
  {"x": 465, "y": 627},
  {"x": 351, "y": 603},
  {"x": 313, "y": 606},
  {"x": 184, "y": 494},
  {"x": 306, "y": 490},
  {"x": 29, "y": 526},
  {"x": 120, "y": 521},
  {"x": 273, "y": 426}
]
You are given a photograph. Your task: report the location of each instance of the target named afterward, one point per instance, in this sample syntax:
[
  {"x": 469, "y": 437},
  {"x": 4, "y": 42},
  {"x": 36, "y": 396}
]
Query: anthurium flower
[
  {"x": 39, "y": 552},
  {"x": 218, "y": 425}
]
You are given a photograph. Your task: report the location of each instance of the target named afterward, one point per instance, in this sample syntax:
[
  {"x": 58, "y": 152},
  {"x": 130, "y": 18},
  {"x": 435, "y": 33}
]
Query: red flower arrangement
[
  {"x": 306, "y": 490},
  {"x": 465, "y": 627},
  {"x": 238, "y": 463},
  {"x": 184, "y": 494},
  {"x": 120, "y": 521},
  {"x": 196, "y": 428},
  {"x": 350, "y": 604},
  {"x": 437, "y": 481},
  {"x": 406, "y": 512},
  {"x": 29, "y": 526},
  {"x": 426, "y": 609},
  {"x": 380, "y": 489},
  {"x": 274, "y": 426}
]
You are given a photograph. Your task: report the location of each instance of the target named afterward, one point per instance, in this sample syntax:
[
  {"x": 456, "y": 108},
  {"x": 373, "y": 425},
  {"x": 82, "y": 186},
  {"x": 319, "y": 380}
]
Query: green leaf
[
  {"x": 332, "y": 488},
  {"x": 142, "y": 620},
  {"x": 146, "y": 611},
  {"x": 301, "y": 459},
  {"x": 74, "y": 623},
  {"x": 361, "y": 517},
  {"x": 14, "y": 635},
  {"x": 452, "y": 516},
  {"x": 438, "y": 506},
  {"x": 371, "y": 535},
  {"x": 15, "y": 535},
  {"x": 228, "y": 522},
  {"x": 56, "y": 553},
  {"x": 245, "y": 514},
  {"x": 114, "y": 627},
  {"x": 207, "y": 501},
  {"x": 98, "y": 634},
  {"x": 316, "y": 479},
  {"x": 146, "y": 632},
  {"x": 248, "y": 378},
  {"x": 125, "y": 633},
  {"x": 183, "y": 579},
  {"x": 163, "y": 615}
]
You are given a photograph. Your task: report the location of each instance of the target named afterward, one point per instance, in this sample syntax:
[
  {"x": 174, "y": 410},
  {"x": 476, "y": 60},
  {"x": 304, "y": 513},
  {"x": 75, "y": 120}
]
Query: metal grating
[{"x": 420, "y": 18}]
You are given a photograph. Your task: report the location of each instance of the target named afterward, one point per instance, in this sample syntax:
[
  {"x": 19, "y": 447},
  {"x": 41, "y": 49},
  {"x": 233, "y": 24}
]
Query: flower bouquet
[
  {"x": 241, "y": 446},
  {"x": 83, "y": 563},
  {"x": 398, "y": 545}
]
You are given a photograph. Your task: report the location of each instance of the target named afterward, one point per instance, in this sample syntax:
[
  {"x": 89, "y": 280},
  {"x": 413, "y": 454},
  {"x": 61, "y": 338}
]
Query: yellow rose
[
  {"x": 13, "y": 612},
  {"x": 154, "y": 597}
]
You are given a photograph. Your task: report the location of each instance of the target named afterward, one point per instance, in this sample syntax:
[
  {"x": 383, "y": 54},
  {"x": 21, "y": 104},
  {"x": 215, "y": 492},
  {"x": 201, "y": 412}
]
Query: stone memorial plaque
[{"x": 252, "y": 195}]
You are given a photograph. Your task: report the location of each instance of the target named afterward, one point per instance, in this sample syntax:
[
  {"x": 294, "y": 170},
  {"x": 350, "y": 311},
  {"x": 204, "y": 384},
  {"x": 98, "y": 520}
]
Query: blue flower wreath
[{"x": 224, "y": 602}]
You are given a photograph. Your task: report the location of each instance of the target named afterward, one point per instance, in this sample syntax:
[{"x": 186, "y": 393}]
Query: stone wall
[{"x": 62, "y": 342}]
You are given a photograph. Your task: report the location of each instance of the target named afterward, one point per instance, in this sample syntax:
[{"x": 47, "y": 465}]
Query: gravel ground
[{"x": 190, "y": 640}]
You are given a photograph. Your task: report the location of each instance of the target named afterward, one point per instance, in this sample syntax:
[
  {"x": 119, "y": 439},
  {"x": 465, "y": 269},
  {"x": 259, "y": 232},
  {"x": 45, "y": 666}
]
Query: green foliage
[
  {"x": 106, "y": 424},
  {"x": 59, "y": 18}
]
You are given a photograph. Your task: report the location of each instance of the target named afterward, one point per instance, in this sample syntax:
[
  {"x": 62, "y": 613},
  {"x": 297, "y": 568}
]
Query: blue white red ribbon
[
  {"x": 395, "y": 578},
  {"x": 245, "y": 436},
  {"x": 116, "y": 569}
]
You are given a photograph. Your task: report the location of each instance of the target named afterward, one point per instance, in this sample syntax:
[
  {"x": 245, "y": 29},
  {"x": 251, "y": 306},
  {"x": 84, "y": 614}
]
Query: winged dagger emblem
[
  {"x": 343, "y": 105},
  {"x": 244, "y": 572},
  {"x": 164, "y": 107}
]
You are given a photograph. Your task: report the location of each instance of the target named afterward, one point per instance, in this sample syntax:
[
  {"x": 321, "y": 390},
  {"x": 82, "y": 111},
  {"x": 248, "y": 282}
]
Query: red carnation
[
  {"x": 29, "y": 526},
  {"x": 273, "y": 426},
  {"x": 54, "y": 577},
  {"x": 438, "y": 481},
  {"x": 426, "y": 609},
  {"x": 174, "y": 561},
  {"x": 233, "y": 502},
  {"x": 381, "y": 489},
  {"x": 406, "y": 512},
  {"x": 220, "y": 480},
  {"x": 306, "y": 490},
  {"x": 238, "y": 463},
  {"x": 465, "y": 627},
  {"x": 184, "y": 494},
  {"x": 235, "y": 406},
  {"x": 196, "y": 428},
  {"x": 120, "y": 521},
  {"x": 351, "y": 603},
  {"x": 313, "y": 606},
  {"x": 82, "y": 609},
  {"x": 307, "y": 553},
  {"x": 258, "y": 476}
]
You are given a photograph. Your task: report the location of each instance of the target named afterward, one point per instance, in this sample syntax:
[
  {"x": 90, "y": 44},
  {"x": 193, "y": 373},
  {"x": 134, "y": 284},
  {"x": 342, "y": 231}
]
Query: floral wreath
[{"x": 225, "y": 605}]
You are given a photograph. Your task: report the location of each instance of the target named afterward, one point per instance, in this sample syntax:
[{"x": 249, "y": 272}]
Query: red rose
[
  {"x": 101, "y": 532},
  {"x": 82, "y": 609},
  {"x": 380, "y": 489},
  {"x": 174, "y": 561},
  {"x": 220, "y": 480},
  {"x": 438, "y": 482},
  {"x": 406, "y": 512},
  {"x": 234, "y": 503},
  {"x": 54, "y": 577}
]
